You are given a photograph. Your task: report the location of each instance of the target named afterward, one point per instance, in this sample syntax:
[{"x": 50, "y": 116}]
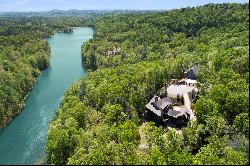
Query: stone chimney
[{"x": 156, "y": 98}]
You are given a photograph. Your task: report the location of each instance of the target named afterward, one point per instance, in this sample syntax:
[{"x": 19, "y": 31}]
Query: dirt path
[
  {"x": 143, "y": 141},
  {"x": 188, "y": 103}
]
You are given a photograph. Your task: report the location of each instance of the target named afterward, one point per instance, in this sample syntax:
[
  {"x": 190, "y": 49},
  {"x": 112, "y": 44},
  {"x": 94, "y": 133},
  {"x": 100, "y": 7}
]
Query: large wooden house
[
  {"x": 162, "y": 107},
  {"x": 175, "y": 105}
]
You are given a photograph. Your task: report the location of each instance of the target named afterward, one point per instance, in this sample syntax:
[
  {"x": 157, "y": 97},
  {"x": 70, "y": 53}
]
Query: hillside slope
[
  {"x": 24, "y": 52},
  {"x": 99, "y": 117}
]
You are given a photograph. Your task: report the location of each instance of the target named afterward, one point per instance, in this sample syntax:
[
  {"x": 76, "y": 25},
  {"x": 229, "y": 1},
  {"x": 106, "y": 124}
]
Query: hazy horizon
[
  {"x": 86, "y": 10},
  {"x": 48, "y": 5}
]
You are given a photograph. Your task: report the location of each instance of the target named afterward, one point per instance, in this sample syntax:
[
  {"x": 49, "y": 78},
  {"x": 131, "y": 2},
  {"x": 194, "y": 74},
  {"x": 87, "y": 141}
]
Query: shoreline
[
  {"x": 43, "y": 160},
  {"x": 22, "y": 103},
  {"x": 28, "y": 93}
]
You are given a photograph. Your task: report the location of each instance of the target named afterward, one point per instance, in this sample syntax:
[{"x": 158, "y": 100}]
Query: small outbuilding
[{"x": 192, "y": 73}]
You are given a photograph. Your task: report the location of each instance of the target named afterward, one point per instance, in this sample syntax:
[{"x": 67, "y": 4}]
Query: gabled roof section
[
  {"x": 184, "y": 111},
  {"x": 152, "y": 108},
  {"x": 195, "y": 69},
  {"x": 162, "y": 103},
  {"x": 156, "y": 106}
]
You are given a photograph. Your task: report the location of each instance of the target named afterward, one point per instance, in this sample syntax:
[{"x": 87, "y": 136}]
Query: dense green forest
[
  {"x": 24, "y": 52},
  {"x": 98, "y": 121}
]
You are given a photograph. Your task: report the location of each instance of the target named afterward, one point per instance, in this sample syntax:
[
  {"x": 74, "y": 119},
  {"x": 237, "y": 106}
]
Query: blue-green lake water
[{"x": 23, "y": 140}]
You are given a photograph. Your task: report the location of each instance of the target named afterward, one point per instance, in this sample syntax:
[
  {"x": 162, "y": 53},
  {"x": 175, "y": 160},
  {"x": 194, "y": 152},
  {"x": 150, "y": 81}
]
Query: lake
[{"x": 23, "y": 140}]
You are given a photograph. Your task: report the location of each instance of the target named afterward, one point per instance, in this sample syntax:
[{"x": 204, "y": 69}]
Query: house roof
[
  {"x": 193, "y": 70},
  {"x": 161, "y": 104},
  {"x": 183, "y": 111},
  {"x": 152, "y": 108},
  {"x": 173, "y": 113}
]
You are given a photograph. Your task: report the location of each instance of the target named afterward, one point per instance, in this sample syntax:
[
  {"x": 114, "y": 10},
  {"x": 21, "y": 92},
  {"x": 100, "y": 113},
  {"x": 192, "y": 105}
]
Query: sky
[{"x": 45, "y": 5}]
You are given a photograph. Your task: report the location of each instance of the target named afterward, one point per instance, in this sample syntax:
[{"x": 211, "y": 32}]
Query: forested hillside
[
  {"x": 98, "y": 121},
  {"x": 24, "y": 52},
  {"x": 153, "y": 36},
  {"x": 99, "y": 118}
]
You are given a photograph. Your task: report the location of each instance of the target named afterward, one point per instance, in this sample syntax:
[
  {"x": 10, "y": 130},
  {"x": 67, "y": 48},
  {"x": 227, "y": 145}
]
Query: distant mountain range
[{"x": 71, "y": 12}]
